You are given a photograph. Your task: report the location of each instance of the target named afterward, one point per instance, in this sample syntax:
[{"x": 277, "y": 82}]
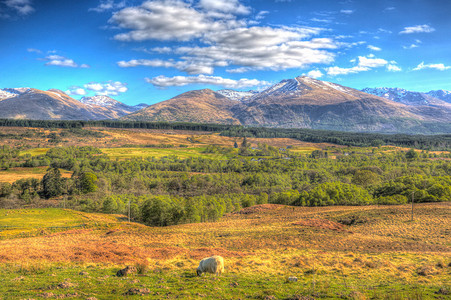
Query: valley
[{"x": 335, "y": 217}]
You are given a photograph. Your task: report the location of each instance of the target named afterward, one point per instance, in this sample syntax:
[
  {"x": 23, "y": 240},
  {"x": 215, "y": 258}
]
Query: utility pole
[{"x": 413, "y": 193}]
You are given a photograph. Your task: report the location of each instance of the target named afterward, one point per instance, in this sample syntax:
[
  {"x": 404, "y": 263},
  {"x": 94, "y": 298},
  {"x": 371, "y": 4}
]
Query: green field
[
  {"x": 21, "y": 222},
  {"x": 34, "y": 151},
  {"x": 182, "y": 153}
]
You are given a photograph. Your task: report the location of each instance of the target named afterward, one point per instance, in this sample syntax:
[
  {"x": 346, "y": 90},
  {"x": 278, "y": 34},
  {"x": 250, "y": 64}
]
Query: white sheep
[{"x": 214, "y": 265}]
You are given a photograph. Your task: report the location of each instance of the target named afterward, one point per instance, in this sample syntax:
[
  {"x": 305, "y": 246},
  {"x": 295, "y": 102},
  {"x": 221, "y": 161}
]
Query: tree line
[{"x": 427, "y": 142}]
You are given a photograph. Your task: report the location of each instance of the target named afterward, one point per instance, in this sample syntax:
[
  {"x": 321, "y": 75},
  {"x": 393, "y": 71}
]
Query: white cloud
[
  {"x": 374, "y": 48},
  {"x": 371, "y": 62},
  {"x": 222, "y": 39},
  {"x": 61, "y": 61},
  {"x": 34, "y": 50},
  {"x": 417, "y": 29},
  {"x": 110, "y": 88},
  {"x": 347, "y": 11},
  {"x": 315, "y": 74},
  {"x": 440, "y": 67},
  {"x": 22, "y": 7},
  {"x": 163, "y": 81},
  {"x": 76, "y": 91},
  {"x": 411, "y": 46},
  {"x": 225, "y": 6},
  {"x": 161, "y": 20},
  {"x": 106, "y": 5},
  {"x": 364, "y": 64},
  {"x": 393, "y": 68}
]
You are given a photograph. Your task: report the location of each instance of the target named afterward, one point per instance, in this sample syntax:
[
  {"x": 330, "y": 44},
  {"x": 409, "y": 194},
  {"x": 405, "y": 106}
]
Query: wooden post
[{"x": 413, "y": 193}]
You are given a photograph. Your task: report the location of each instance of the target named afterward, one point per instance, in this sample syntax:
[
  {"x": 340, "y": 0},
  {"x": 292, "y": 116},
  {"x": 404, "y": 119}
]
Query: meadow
[
  {"x": 272, "y": 207},
  {"x": 384, "y": 256}
]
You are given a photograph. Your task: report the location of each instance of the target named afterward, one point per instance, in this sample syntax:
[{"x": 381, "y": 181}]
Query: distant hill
[
  {"x": 199, "y": 106},
  {"x": 29, "y": 103}
]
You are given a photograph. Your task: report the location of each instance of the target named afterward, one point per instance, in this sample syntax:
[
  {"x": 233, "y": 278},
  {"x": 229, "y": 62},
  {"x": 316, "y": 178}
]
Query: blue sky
[{"x": 149, "y": 51}]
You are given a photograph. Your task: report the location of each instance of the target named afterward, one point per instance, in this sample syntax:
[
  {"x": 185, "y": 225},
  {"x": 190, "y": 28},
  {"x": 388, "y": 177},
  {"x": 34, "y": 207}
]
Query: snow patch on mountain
[
  {"x": 403, "y": 96},
  {"x": 100, "y": 100},
  {"x": 236, "y": 95},
  {"x": 441, "y": 94}
]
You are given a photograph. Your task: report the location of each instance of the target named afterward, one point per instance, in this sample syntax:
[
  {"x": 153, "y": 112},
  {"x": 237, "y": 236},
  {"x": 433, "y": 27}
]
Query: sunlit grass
[
  {"x": 34, "y": 151},
  {"x": 14, "y": 174},
  {"x": 182, "y": 153}
]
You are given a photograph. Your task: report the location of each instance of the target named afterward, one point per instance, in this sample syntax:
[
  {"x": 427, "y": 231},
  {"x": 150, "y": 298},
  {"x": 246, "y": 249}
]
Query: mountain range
[
  {"x": 301, "y": 102},
  {"x": 29, "y": 103}
]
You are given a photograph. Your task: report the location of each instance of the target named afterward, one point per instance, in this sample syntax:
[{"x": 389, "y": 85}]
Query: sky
[{"x": 150, "y": 51}]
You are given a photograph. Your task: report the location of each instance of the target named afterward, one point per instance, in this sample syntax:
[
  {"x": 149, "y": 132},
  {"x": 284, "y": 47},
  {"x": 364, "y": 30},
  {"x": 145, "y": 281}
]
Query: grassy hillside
[{"x": 381, "y": 255}]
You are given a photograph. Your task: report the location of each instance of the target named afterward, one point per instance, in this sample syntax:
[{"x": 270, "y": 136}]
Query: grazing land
[
  {"x": 292, "y": 219},
  {"x": 382, "y": 255}
]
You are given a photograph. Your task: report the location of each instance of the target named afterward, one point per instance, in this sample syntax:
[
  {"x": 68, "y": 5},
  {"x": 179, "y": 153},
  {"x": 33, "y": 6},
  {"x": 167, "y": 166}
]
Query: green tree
[
  {"x": 87, "y": 182},
  {"x": 52, "y": 183},
  {"x": 411, "y": 154}
]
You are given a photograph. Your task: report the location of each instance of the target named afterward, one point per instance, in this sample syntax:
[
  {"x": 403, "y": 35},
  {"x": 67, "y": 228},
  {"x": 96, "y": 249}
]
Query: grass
[
  {"x": 385, "y": 257},
  {"x": 182, "y": 153},
  {"x": 14, "y": 174},
  {"x": 34, "y": 151}
]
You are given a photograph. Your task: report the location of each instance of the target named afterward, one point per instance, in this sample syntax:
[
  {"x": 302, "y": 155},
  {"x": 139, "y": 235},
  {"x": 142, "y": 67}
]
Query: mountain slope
[
  {"x": 405, "y": 96},
  {"x": 310, "y": 103},
  {"x": 199, "y": 106},
  {"x": 441, "y": 94},
  {"x": 119, "y": 108},
  {"x": 50, "y": 105}
]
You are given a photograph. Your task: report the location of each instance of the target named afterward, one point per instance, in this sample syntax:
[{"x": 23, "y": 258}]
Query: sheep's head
[{"x": 199, "y": 272}]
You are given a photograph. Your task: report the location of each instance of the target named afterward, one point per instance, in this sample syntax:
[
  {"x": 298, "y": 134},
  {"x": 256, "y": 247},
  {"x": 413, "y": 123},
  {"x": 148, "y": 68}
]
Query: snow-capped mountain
[
  {"x": 10, "y": 93},
  {"x": 110, "y": 103},
  {"x": 99, "y": 100},
  {"x": 300, "y": 86},
  {"x": 237, "y": 95},
  {"x": 441, "y": 94},
  {"x": 405, "y": 96}
]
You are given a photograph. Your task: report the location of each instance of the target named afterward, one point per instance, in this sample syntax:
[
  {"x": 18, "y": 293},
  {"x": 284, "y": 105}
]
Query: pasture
[{"x": 382, "y": 254}]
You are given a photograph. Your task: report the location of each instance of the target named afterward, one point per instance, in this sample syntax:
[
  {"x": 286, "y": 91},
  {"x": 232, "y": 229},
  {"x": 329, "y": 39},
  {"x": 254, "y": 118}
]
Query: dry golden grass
[
  {"x": 14, "y": 174},
  {"x": 139, "y": 137},
  {"x": 385, "y": 254},
  {"x": 266, "y": 229}
]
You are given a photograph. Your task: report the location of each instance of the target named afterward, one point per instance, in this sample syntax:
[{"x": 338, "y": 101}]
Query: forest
[{"x": 170, "y": 190}]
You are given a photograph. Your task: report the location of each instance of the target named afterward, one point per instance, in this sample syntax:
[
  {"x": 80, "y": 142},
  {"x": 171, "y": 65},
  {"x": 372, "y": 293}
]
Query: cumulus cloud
[
  {"x": 61, "y": 61},
  {"x": 440, "y": 67},
  {"x": 223, "y": 39},
  {"x": 161, "y": 20},
  {"x": 364, "y": 64},
  {"x": 106, "y": 5},
  {"x": 22, "y": 7},
  {"x": 76, "y": 91},
  {"x": 225, "y": 6},
  {"x": 315, "y": 74},
  {"x": 374, "y": 48},
  {"x": 163, "y": 81},
  {"x": 392, "y": 67},
  {"x": 109, "y": 88},
  {"x": 417, "y": 29}
]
